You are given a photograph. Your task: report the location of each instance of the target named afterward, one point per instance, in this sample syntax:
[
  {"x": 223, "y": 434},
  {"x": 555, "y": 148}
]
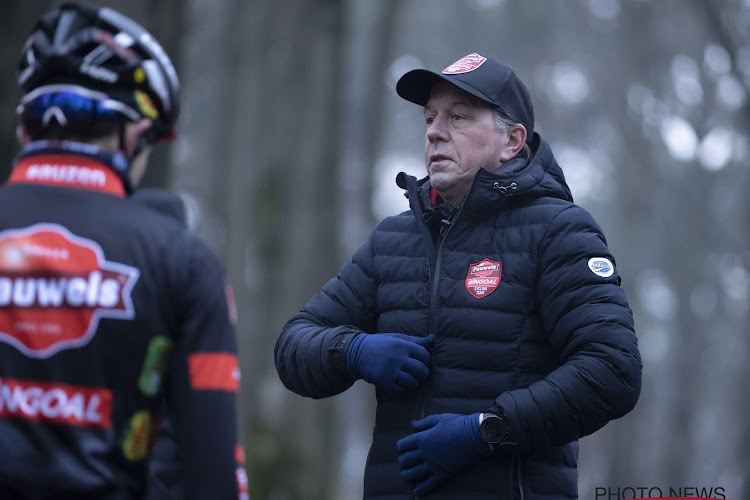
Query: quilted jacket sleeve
[
  {"x": 310, "y": 353},
  {"x": 591, "y": 325}
]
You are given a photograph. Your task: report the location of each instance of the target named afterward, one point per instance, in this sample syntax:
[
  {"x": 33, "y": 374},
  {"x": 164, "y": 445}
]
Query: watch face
[{"x": 493, "y": 429}]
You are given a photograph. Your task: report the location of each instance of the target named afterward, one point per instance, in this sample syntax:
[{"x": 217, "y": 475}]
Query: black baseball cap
[{"x": 492, "y": 81}]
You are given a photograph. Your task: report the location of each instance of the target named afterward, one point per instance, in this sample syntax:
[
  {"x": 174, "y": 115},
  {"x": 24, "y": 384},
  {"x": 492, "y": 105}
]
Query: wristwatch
[{"x": 493, "y": 428}]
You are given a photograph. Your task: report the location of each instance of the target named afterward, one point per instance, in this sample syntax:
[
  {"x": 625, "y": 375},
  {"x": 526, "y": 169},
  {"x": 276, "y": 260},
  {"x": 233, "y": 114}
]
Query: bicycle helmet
[{"x": 86, "y": 61}]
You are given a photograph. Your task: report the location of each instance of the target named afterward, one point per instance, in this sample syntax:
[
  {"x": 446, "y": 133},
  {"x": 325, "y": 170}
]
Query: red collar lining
[{"x": 435, "y": 197}]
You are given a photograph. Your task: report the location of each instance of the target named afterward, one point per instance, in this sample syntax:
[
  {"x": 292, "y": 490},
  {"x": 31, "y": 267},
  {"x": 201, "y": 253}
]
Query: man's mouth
[{"x": 437, "y": 158}]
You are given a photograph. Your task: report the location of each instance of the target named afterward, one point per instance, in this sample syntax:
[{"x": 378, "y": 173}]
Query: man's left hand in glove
[{"x": 441, "y": 445}]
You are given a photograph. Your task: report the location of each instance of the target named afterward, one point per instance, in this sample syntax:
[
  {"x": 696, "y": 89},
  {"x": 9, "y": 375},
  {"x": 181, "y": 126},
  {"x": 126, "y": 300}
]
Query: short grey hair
[{"x": 504, "y": 122}]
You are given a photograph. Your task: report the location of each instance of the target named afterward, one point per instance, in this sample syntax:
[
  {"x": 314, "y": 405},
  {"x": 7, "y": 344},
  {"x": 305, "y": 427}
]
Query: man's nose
[{"x": 437, "y": 131}]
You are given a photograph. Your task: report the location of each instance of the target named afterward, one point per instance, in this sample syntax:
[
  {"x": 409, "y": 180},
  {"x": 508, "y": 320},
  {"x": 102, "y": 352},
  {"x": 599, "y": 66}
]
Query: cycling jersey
[{"x": 108, "y": 309}]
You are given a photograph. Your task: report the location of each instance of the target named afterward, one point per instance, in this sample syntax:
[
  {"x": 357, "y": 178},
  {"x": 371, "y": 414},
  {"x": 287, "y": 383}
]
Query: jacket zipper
[
  {"x": 434, "y": 260},
  {"x": 434, "y": 282},
  {"x": 518, "y": 473},
  {"x": 434, "y": 265}
]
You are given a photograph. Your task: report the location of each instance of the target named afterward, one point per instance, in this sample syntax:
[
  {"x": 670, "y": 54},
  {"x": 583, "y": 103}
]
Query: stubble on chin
[{"x": 443, "y": 184}]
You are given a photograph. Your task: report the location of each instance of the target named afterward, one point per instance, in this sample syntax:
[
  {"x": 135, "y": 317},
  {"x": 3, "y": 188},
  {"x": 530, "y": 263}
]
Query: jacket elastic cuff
[{"x": 337, "y": 353}]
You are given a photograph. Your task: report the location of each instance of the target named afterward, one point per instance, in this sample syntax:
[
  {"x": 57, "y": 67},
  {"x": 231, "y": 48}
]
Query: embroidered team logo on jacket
[
  {"x": 483, "y": 277},
  {"x": 54, "y": 288}
]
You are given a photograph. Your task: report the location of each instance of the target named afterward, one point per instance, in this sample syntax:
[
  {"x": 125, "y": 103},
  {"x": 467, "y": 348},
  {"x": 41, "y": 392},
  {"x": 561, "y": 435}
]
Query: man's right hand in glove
[{"x": 390, "y": 361}]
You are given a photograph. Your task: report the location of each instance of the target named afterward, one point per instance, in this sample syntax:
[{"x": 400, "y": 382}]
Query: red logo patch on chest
[
  {"x": 54, "y": 288},
  {"x": 483, "y": 278}
]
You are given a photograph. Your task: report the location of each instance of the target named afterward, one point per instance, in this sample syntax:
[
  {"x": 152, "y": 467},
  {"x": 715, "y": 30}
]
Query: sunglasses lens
[{"x": 72, "y": 105}]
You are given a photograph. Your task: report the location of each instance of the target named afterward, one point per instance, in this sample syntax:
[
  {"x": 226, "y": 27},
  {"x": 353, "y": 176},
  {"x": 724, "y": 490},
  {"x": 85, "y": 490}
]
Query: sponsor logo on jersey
[
  {"x": 66, "y": 171},
  {"x": 154, "y": 365},
  {"x": 56, "y": 402},
  {"x": 137, "y": 438},
  {"x": 483, "y": 278},
  {"x": 231, "y": 302},
  {"x": 465, "y": 64},
  {"x": 214, "y": 371},
  {"x": 601, "y": 266},
  {"x": 55, "y": 287},
  {"x": 243, "y": 485}
]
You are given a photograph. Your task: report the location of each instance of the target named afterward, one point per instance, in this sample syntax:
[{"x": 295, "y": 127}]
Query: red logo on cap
[
  {"x": 465, "y": 64},
  {"x": 54, "y": 288},
  {"x": 483, "y": 278}
]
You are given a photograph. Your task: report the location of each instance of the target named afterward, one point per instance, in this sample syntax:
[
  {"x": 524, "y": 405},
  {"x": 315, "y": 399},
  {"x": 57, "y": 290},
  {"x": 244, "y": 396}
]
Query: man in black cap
[{"x": 489, "y": 317}]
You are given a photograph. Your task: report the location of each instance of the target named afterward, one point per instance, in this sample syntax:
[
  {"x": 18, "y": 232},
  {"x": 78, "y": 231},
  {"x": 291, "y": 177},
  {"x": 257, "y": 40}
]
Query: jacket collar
[{"x": 536, "y": 177}]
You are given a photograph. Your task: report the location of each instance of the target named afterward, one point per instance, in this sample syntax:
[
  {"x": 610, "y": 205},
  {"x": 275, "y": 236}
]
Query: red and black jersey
[{"x": 107, "y": 310}]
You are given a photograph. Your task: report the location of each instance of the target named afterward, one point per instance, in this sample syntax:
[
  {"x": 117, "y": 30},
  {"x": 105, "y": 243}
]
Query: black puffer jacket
[{"x": 521, "y": 294}]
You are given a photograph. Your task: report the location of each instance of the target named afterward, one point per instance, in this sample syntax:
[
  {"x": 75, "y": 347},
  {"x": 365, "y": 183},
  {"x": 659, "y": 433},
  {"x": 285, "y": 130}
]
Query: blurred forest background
[{"x": 291, "y": 136}]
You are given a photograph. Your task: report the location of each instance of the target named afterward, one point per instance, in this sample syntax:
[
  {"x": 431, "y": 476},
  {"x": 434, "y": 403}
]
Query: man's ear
[
  {"x": 516, "y": 140},
  {"x": 134, "y": 130},
  {"x": 22, "y": 135}
]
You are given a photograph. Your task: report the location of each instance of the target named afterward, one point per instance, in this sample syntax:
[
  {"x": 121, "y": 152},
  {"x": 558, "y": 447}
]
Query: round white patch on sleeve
[{"x": 601, "y": 267}]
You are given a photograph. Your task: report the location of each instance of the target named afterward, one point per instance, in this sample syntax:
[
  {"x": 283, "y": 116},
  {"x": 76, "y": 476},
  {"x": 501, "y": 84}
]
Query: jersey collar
[{"x": 79, "y": 168}]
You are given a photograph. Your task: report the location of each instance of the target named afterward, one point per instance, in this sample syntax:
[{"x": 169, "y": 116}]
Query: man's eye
[
  {"x": 457, "y": 117},
  {"x": 429, "y": 119}
]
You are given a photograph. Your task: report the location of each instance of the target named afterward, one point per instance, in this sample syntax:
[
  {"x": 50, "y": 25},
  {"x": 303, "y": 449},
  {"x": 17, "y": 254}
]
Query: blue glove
[
  {"x": 391, "y": 361},
  {"x": 442, "y": 445}
]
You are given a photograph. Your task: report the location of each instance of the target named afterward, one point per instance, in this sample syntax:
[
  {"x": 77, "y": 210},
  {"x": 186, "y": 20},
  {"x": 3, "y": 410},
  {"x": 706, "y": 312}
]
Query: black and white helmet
[{"x": 100, "y": 50}]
